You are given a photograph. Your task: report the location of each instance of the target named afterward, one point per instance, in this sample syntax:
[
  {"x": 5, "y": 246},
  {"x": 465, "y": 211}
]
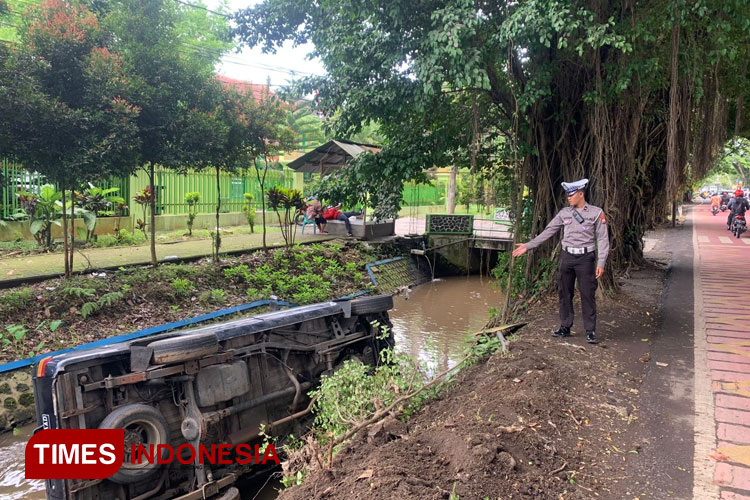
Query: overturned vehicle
[{"x": 209, "y": 386}]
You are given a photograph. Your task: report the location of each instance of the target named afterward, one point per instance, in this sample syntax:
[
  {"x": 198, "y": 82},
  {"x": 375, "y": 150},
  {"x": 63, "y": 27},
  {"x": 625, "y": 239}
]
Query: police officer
[{"x": 585, "y": 245}]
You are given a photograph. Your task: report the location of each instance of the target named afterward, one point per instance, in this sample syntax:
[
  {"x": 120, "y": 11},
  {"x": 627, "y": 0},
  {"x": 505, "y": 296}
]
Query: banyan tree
[{"x": 637, "y": 96}]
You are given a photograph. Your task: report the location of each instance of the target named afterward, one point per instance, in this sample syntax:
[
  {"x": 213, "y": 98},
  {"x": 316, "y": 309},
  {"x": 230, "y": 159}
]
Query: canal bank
[{"x": 553, "y": 419}]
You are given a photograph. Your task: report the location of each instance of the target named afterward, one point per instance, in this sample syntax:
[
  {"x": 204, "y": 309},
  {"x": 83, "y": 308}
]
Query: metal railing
[
  {"x": 492, "y": 228},
  {"x": 15, "y": 178}
]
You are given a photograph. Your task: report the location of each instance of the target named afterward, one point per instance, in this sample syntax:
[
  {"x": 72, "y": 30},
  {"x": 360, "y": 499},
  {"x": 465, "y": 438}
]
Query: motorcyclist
[
  {"x": 715, "y": 203},
  {"x": 737, "y": 206},
  {"x": 725, "y": 198}
]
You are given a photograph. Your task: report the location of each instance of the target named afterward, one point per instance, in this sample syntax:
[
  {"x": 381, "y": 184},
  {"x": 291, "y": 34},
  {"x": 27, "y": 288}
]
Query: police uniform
[{"x": 585, "y": 245}]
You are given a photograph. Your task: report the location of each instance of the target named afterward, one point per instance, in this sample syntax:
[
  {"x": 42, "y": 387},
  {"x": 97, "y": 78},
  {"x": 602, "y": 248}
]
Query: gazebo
[{"x": 330, "y": 157}]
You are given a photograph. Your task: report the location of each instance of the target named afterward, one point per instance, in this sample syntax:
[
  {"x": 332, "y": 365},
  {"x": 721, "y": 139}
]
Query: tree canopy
[{"x": 557, "y": 90}]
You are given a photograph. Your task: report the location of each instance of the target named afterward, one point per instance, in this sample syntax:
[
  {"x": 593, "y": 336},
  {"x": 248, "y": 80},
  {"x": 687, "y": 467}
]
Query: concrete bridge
[{"x": 465, "y": 242}]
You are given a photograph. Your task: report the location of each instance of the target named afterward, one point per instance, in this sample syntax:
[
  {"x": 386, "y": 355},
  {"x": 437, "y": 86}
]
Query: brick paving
[{"x": 723, "y": 301}]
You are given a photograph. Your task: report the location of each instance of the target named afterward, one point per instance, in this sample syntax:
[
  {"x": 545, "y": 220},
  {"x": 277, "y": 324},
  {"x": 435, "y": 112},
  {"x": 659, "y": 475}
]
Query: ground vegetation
[{"x": 67, "y": 312}]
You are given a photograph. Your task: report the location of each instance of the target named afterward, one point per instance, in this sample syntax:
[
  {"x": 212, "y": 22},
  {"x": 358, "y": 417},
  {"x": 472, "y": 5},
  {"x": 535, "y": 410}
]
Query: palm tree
[{"x": 306, "y": 125}]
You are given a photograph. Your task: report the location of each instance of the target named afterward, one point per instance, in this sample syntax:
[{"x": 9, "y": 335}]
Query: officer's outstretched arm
[{"x": 552, "y": 228}]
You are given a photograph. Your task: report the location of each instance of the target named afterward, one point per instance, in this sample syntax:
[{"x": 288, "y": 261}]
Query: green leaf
[
  {"x": 89, "y": 218},
  {"x": 88, "y": 309},
  {"x": 36, "y": 226}
]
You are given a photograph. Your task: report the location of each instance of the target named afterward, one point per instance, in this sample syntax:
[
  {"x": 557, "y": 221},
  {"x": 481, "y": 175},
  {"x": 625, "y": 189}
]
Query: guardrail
[{"x": 491, "y": 228}]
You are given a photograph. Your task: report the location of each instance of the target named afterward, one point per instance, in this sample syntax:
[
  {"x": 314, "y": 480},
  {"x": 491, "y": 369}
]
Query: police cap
[{"x": 572, "y": 187}]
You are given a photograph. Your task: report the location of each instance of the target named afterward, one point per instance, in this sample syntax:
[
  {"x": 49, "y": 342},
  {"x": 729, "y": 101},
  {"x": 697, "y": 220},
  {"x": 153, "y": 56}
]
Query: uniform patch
[{"x": 603, "y": 219}]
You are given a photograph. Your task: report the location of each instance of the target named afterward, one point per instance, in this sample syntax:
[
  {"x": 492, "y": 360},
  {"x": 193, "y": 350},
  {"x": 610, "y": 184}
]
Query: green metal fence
[
  {"x": 170, "y": 187},
  {"x": 15, "y": 178}
]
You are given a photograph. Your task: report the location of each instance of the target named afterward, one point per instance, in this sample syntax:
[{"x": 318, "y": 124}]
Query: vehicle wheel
[
  {"x": 184, "y": 347},
  {"x": 366, "y": 305},
  {"x": 144, "y": 425}
]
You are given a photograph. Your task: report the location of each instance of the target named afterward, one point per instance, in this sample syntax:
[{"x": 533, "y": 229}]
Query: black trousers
[{"x": 583, "y": 268}]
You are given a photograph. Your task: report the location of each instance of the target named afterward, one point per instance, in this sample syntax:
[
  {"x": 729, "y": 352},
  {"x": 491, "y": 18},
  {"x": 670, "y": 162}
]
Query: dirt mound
[{"x": 542, "y": 422}]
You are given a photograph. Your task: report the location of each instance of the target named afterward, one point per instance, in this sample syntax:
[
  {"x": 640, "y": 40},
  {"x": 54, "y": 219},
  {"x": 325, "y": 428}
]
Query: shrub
[
  {"x": 108, "y": 299},
  {"x": 125, "y": 237},
  {"x": 215, "y": 296},
  {"x": 249, "y": 211},
  {"x": 14, "y": 300},
  {"x": 78, "y": 292},
  {"x": 192, "y": 200},
  {"x": 182, "y": 287}
]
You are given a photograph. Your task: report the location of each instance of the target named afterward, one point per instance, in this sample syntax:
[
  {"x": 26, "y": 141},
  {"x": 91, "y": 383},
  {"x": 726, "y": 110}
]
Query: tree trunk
[
  {"x": 673, "y": 164},
  {"x": 217, "y": 239},
  {"x": 72, "y": 228},
  {"x": 262, "y": 183},
  {"x": 450, "y": 198},
  {"x": 65, "y": 236},
  {"x": 154, "y": 262},
  {"x": 740, "y": 115}
]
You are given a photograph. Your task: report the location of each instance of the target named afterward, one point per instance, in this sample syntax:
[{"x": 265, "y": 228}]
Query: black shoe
[
  {"x": 563, "y": 331},
  {"x": 591, "y": 337}
]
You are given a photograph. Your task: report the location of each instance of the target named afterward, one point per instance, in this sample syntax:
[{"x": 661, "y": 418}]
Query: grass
[
  {"x": 52, "y": 263},
  {"x": 135, "y": 239}
]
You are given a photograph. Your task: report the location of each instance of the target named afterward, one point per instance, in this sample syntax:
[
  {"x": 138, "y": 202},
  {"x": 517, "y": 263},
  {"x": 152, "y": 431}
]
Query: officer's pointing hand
[
  {"x": 520, "y": 250},
  {"x": 599, "y": 272}
]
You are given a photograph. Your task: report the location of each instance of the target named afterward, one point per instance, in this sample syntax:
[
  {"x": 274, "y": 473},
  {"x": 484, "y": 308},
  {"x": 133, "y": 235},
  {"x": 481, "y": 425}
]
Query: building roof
[
  {"x": 330, "y": 156},
  {"x": 244, "y": 87}
]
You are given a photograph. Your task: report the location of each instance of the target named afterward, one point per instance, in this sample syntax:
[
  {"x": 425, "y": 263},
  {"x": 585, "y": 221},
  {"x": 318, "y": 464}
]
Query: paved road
[{"x": 722, "y": 359}]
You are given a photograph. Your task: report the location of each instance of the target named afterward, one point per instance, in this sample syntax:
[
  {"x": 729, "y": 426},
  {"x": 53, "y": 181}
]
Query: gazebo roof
[{"x": 330, "y": 156}]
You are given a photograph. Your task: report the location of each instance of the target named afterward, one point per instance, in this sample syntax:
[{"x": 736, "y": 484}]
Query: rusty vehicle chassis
[{"x": 242, "y": 375}]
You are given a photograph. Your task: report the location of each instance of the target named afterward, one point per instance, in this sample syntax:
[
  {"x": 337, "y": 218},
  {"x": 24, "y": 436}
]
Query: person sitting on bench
[
  {"x": 315, "y": 212},
  {"x": 333, "y": 213}
]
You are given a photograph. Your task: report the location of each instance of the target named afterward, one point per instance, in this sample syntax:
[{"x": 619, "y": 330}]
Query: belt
[{"x": 578, "y": 251}]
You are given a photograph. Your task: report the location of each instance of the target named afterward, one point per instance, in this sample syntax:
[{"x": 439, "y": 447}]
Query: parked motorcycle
[
  {"x": 739, "y": 226},
  {"x": 714, "y": 210}
]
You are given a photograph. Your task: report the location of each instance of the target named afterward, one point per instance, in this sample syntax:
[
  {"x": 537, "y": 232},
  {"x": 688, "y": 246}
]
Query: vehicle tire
[
  {"x": 144, "y": 425},
  {"x": 184, "y": 347},
  {"x": 366, "y": 305}
]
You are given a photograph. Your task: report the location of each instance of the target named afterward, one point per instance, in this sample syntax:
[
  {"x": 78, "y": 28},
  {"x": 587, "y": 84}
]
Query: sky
[{"x": 254, "y": 66}]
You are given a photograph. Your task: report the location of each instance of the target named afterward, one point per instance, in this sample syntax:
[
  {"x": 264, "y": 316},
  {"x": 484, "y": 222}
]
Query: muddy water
[
  {"x": 13, "y": 485},
  {"x": 432, "y": 323}
]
